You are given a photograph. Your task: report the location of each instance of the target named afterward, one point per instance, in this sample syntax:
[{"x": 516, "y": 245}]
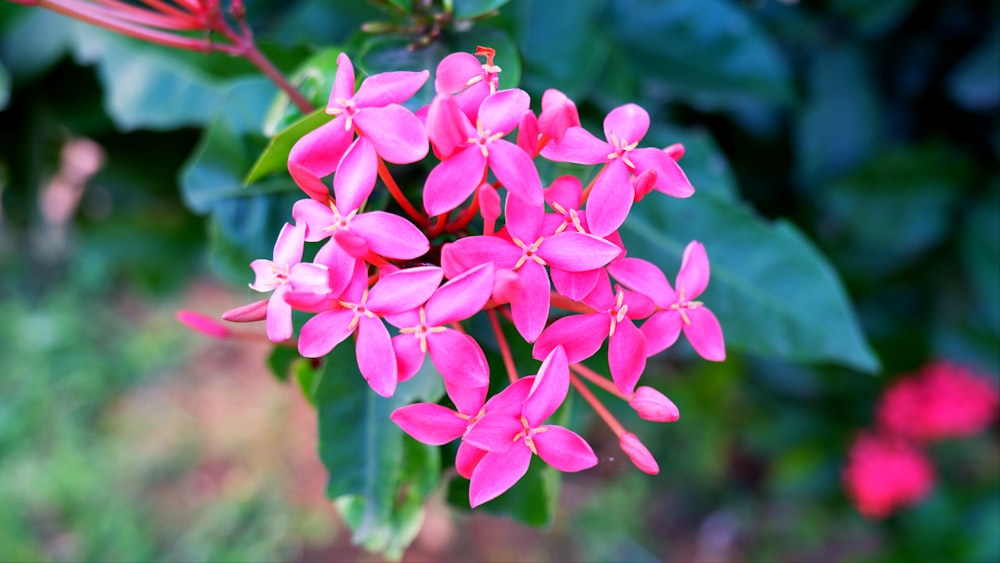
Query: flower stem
[
  {"x": 397, "y": 194},
  {"x": 598, "y": 406},
  {"x": 567, "y": 304},
  {"x": 597, "y": 379},
  {"x": 590, "y": 185},
  {"x": 508, "y": 359}
]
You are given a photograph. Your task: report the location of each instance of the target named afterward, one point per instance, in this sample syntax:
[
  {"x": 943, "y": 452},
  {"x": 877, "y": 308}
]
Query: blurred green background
[{"x": 872, "y": 127}]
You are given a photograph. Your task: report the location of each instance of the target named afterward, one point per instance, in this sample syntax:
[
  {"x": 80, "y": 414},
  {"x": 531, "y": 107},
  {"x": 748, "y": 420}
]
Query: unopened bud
[
  {"x": 643, "y": 183},
  {"x": 489, "y": 203},
  {"x": 202, "y": 323},
  {"x": 675, "y": 151},
  {"x": 507, "y": 286},
  {"x": 638, "y": 453},
  {"x": 653, "y": 405},
  {"x": 558, "y": 114},
  {"x": 256, "y": 311}
]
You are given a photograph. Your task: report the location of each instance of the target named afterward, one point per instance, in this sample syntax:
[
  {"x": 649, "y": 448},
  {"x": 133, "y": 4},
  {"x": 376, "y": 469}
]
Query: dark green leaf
[
  {"x": 974, "y": 83},
  {"x": 275, "y": 156},
  {"x": 467, "y": 9},
  {"x": 704, "y": 163},
  {"x": 4, "y": 86},
  {"x": 364, "y": 451},
  {"x": 841, "y": 121},
  {"x": 709, "y": 53},
  {"x": 36, "y": 41},
  {"x": 281, "y": 361},
  {"x": 314, "y": 80},
  {"x": 773, "y": 292},
  {"x": 873, "y": 18}
]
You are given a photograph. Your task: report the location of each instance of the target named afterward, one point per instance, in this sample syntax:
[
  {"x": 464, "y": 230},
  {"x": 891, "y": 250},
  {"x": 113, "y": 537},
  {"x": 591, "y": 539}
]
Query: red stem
[
  {"x": 597, "y": 379},
  {"x": 508, "y": 359},
  {"x": 598, "y": 406},
  {"x": 397, "y": 194}
]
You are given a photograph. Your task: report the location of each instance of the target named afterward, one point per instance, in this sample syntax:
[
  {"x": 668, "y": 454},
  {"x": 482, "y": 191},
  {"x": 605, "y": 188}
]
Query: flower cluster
[
  {"x": 491, "y": 239},
  {"x": 888, "y": 468}
]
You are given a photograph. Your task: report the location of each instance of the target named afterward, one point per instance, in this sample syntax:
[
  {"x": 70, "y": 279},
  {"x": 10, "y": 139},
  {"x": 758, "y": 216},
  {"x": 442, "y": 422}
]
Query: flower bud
[
  {"x": 675, "y": 151},
  {"x": 653, "y": 405},
  {"x": 643, "y": 184},
  {"x": 507, "y": 286},
  {"x": 638, "y": 453},
  {"x": 527, "y": 133},
  {"x": 256, "y": 311},
  {"x": 558, "y": 114},
  {"x": 202, "y": 323},
  {"x": 489, "y": 203}
]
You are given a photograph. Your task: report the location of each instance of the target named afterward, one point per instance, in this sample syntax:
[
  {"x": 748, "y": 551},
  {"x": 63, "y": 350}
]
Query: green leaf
[
  {"x": 4, "y": 86},
  {"x": 973, "y": 83},
  {"x": 314, "y": 80},
  {"x": 773, "y": 292},
  {"x": 275, "y": 156},
  {"x": 840, "y": 124},
  {"x": 365, "y": 453},
  {"x": 704, "y": 163},
  {"x": 709, "y": 53},
  {"x": 873, "y": 18},
  {"x": 468, "y": 9}
]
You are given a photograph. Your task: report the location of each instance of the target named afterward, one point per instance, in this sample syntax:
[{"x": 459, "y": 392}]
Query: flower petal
[
  {"x": 610, "y": 200},
  {"x": 516, "y": 171},
  {"x": 467, "y": 458},
  {"x": 376, "y": 359},
  {"x": 467, "y": 253},
  {"x": 308, "y": 182},
  {"x": 580, "y": 335},
  {"x": 279, "y": 316},
  {"x": 455, "y": 71},
  {"x": 511, "y": 399},
  {"x": 397, "y": 134},
  {"x": 356, "y": 174},
  {"x": 323, "y": 332},
  {"x": 670, "y": 179},
  {"x": 558, "y": 114},
  {"x": 693, "y": 276},
  {"x": 447, "y": 127},
  {"x": 390, "y": 235},
  {"x": 409, "y": 355},
  {"x": 575, "y": 285},
  {"x": 495, "y": 431},
  {"x": 429, "y": 423},
  {"x": 645, "y": 278},
  {"x": 661, "y": 331},
  {"x": 453, "y": 180},
  {"x": 316, "y": 216},
  {"x": 626, "y": 356},
  {"x": 577, "y": 252},
  {"x": 705, "y": 334},
  {"x": 501, "y": 112},
  {"x": 524, "y": 221},
  {"x": 628, "y": 123},
  {"x": 462, "y": 297},
  {"x": 379, "y": 90},
  {"x": 320, "y": 150},
  {"x": 563, "y": 449},
  {"x": 580, "y": 146},
  {"x": 549, "y": 389},
  {"x": 530, "y": 309},
  {"x": 566, "y": 191},
  {"x": 496, "y": 473},
  {"x": 343, "y": 82},
  {"x": 404, "y": 289},
  {"x": 459, "y": 359},
  {"x": 468, "y": 400}
]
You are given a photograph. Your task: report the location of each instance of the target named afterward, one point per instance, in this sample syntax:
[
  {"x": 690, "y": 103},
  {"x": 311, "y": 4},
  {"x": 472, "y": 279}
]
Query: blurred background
[{"x": 871, "y": 127}]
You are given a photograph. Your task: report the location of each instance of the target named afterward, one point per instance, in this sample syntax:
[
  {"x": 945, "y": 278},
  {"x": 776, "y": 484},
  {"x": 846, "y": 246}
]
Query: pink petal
[
  {"x": 645, "y": 278},
  {"x": 288, "y": 247},
  {"x": 638, "y": 453},
  {"x": 511, "y": 399},
  {"x": 461, "y": 297},
  {"x": 468, "y": 400},
  {"x": 376, "y": 359},
  {"x": 469, "y": 252},
  {"x": 386, "y": 88},
  {"x": 447, "y": 127},
  {"x": 531, "y": 308},
  {"x": 524, "y": 221},
  {"x": 265, "y": 275},
  {"x": 639, "y": 306},
  {"x": 580, "y": 146},
  {"x": 308, "y": 182},
  {"x": 409, "y": 355},
  {"x": 355, "y": 177},
  {"x": 429, "y": 423},
  {"x": 575, "y": 285},
  {"x": 653, "y": 405},
  {"x": 495, "y": 431},
  {"x": 549, "y": 389},
  {"x": 453, "y": 180},
  {"x": 390, "y": 235},
  {"x": 489, "y": 205},
  {"x": 566, "y": 191},
  {"x": 340, "y": 266},
  {"x": 500, "y": 112},
  {"x": 455, "y": 71},
  {"x": 628, "y": 123},
  {"x": 459, "y": 359},
  {"x": 253, "y": 312},
  {"x": 343, "y": 83},
  {"x": 404, "y": 290},
  {"x": 563, "y": 449},
  {"x": 705, "y": 334},
  {"x": 279, "y": 316},
  {"x": 527, "y": 133},
  {"x": 496, "y": 473},
  {"x": 467, "y": 458},
  {"x": 693, "y": 276},
  {"x": 580, "y": 335},
  {"x": 558, "y": 114},
  {"x": 320, "y": 150},
  {"x": 351, "y": 243},
  {"x": 626, "y": 356},
  {"x": 670, "y": 179},
  {"x": 310, "y": 277},
  {"x": 397, "y": 134},
  {"x": 516, "y": 171},
  {"x": 316, "y": 216},
  {"x": 610, "y": 200},
  {"x": 577, "y": 252},
  {"x": 323, "y": 332},
  {"x": 661, "y": 331}
]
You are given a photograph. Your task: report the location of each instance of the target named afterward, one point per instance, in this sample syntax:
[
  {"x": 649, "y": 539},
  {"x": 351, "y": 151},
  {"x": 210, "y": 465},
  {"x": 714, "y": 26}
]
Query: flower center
[
  {"x": 530, "y": 252},
  {"x": 622, "y": 148},
  {"x": 348, "y": 108},
  {"x": 422, "y": 330},
  {"x": 484, "y": 137},
  {"x": 683, "y": 305}
]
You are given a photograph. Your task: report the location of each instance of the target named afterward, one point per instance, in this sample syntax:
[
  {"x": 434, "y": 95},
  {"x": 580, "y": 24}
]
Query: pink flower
[
  {"x": 276, "y": 275},
  {"x": 462, "y": 76},
  {"x": 525, "y": 251},
  {"x": 653, "y": 405},
  {"x": 467, "y": 152},
  {"x": 884, "y": 473},
  {"x": 385, "y": 129},
  {"x": 612, "y": 195},
  {"x": 582, "y": 335},
  {"x": 424, "y": 329},
  {"x": 359, "y": 310},
  {"x": 356, "y": 234},
  {"x": 942, "y": 400},
  {"x": 510, "y": 440},
  {"x": 678, "y": 311}
]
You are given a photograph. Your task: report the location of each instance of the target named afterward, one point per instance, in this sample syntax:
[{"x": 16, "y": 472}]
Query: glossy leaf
[
  {"x": 274, "y": 159},
  {"x": 772, "y": 291},
  {"x": 466, "y": 9}
]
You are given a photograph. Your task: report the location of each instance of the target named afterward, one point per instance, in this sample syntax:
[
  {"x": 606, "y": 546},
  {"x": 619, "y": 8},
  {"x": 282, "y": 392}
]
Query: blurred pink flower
[
  {"x": 943, "y": 400},
  {"x": 885, "y": 472}
]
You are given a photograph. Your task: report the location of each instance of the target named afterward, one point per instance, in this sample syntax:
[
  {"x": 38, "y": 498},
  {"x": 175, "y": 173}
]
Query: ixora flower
[
  {"x": 678, "y": 312},
  {"x": 511, "y": 439},
  {"x": 884, "y": 473}
]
